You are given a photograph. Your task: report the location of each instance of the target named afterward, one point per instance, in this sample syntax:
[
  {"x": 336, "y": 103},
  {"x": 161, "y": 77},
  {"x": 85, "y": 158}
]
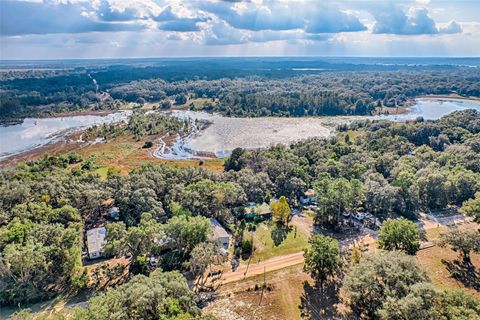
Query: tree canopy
[
  {"x": 322, "y": 258},
  {"x": 399, "y": 234}
]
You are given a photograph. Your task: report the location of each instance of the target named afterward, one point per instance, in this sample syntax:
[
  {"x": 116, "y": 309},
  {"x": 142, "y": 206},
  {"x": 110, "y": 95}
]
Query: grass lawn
[{"x": 265, "y": 247}]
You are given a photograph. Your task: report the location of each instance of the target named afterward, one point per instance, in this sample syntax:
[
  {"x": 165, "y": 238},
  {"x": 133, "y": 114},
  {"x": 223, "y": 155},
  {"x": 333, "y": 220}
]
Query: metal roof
[
  {"x": 218, "y": 230},
  {"x": 96, "y": 239}
]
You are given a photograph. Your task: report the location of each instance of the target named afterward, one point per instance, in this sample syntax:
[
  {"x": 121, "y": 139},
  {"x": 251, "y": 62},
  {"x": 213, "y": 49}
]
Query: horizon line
[{"x": 2, "y": 60}]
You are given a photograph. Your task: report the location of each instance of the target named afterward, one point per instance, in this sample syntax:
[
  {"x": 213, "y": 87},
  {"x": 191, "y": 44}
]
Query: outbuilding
[{"x": 309, "y": 198}]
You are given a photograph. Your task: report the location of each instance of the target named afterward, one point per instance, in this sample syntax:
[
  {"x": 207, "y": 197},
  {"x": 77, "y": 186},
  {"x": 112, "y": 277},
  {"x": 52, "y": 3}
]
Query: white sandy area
[{"x": 226, "y": 134}]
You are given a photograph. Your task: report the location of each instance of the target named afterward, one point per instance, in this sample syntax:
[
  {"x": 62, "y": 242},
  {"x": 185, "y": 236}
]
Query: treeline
[
  {"x": 139, "y": 124},
  {"x": 286, "y": 91},
  {"x": 385, "y": 168},
  {"x": 326, "y": 93}
]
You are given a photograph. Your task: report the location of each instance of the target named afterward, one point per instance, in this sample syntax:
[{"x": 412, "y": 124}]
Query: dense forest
[
  {"x": 384, "y": 168},
  {"x": 237, "y": 88}
]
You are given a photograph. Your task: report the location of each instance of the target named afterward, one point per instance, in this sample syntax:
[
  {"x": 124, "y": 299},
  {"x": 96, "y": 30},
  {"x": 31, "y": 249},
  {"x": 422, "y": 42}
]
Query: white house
[
  {"x": 220, "y": 234},
  {"x": 95, "y": 242}
]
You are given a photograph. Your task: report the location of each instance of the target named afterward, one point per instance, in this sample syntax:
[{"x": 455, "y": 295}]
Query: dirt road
[{"x": 258, "y": 268}]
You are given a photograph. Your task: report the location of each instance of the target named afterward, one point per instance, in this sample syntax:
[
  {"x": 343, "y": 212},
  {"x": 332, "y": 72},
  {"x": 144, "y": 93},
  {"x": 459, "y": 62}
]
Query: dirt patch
[{"x": 244, "y": 300}]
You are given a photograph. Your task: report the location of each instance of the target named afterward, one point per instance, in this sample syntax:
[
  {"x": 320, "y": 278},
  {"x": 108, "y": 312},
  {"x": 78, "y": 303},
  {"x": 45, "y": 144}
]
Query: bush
[
  {"x": 148, "y": 144},
  {"x": 247, "y": 247}
]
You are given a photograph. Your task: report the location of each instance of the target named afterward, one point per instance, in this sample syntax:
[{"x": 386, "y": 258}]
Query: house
[
  {"x": 309, "y": 197},
  {"x": 262, "y": 211},
  {"x": 220, "y": 234},
  {"x": 95, "y": 242}
]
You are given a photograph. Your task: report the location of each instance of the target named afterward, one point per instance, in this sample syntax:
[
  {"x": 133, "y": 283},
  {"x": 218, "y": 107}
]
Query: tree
[
  {"x": 134, "y": 202},
  {"x": 281, "y": 211},
  {"x": 203, "y": 257},
  {"x": 36, "y": 236},
  {"x": 399, "y": 234},
  {"x": 166, "y": 104},
  {"x": 418, "y": 304},
  {"x": 181, "y": 99},
  {"x": 187, "y": 232},
  {"x": 137, "y": 242},
  {"x": 381, "y": 197},
  {"x": 377, "y": 279},
  {"x": 210, "y": 198},
  {"x": 456, "y": 305},
  {"x": 472, "y": 207},
  {"x": 465, "y": 241},
  {"x": 336, "y": 196},
  {"x": 162, "y": 295},
  {"x": 236, "y": 160},
  {"x": 322, "y": 259}
]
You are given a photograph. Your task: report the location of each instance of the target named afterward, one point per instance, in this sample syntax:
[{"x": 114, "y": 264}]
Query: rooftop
[
  {"x": 259, "y": 209},
  {"x": 218, "y": 230},
  {"x": 309, "y": 193},
  {"x": 96, "y": 239}
]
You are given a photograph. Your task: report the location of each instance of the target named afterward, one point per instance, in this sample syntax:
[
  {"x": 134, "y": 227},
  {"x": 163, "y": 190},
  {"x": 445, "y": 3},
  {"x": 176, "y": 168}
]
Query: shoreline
[
  {"x": 66, "y": 144},
  {"x": 70, "y": 140},
  {"x": 443, "y": 97},
  {"x": 66, "y": 114}
]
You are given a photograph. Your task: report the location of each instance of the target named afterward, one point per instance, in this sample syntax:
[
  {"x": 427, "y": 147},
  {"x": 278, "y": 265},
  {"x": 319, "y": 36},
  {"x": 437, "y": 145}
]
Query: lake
[
  {"x": 223, "y": 135},
  {"x": 432, "y": 109},
  {"x": 36, "y": 132}
]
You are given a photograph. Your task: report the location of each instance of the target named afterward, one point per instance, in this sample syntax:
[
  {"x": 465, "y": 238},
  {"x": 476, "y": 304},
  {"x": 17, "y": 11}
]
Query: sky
[{"x": 70, "y": 29}]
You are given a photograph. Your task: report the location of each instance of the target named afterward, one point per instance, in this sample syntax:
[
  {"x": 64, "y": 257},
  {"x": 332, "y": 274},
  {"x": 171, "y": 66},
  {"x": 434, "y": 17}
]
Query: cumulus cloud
[
  {"x": 452, "y": 27},
  {"x": 221, "y": 33},
  {"x": 22, "y": 17},
  {"x": 213, "y": 23},
  {"x": 414, "y": 21},
  {"x": 169, "y": 20},
  {"x": 281, "y": 15}
]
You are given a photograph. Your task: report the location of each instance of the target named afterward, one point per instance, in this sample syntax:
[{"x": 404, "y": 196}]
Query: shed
[
  {"x": 309, "y": 197},
  {"x": 95, "y": 242},
  {"x": 220, "y": 234}
]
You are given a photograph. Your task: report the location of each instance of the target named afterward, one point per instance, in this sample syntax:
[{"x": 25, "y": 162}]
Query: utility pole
[
  {"x": 263, "y": 286},
  {"x": 251, "y": 256}
]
